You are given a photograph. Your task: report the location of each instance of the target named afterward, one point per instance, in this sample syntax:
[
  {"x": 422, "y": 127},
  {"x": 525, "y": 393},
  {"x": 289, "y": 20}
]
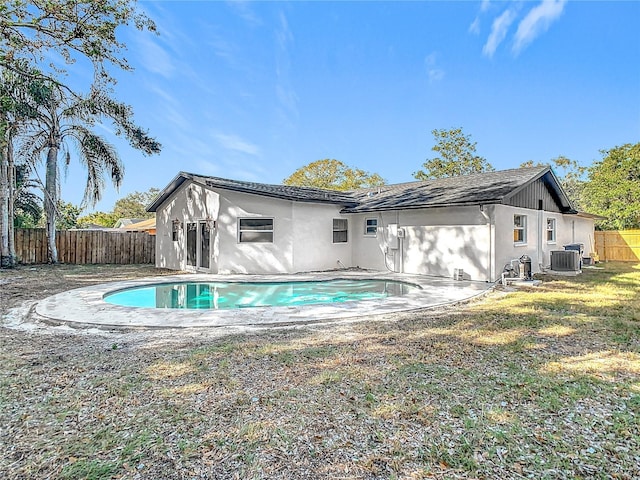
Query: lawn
[{"x": 536, "y": 383}]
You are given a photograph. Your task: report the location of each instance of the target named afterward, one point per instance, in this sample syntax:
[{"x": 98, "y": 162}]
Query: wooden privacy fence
[
  {"x": 621, "y": 245},
  {"x": 86, "y": 246}
]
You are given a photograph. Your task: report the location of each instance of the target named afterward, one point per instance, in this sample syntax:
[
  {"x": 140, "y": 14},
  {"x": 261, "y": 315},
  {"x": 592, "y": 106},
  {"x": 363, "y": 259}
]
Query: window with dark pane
[
  {"x": 340, "y": 229},
  {"x": 255, "y": 230}
]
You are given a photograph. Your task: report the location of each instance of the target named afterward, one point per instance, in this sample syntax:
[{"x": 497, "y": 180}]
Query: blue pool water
[{"x": 230, "y": 295}]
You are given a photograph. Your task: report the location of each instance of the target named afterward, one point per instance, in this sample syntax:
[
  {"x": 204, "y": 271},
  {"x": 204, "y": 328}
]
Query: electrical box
[{"x": 392, "y": 236}]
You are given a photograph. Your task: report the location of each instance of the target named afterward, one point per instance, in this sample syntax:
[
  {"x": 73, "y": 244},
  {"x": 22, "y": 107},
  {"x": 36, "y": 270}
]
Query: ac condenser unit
[{"x": 565, "y": 260}]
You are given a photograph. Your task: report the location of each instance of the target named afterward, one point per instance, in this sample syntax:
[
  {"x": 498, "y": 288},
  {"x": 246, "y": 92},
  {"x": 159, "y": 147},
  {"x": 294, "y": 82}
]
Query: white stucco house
[{"x": 477, "y": 223}]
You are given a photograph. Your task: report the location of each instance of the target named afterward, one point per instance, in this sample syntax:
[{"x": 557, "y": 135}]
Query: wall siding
[{"x": 528, "y": 197}]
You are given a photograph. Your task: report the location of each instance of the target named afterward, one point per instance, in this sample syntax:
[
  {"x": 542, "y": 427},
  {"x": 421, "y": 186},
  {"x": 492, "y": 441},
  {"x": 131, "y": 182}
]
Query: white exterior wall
[
  {"x": 313, "y": 247},
  {"x": 190, "y": 202},
  {"x": 302, "y": 235},
  {"x": 570, "y": 228},
  {"x": 437, "y": 241}
]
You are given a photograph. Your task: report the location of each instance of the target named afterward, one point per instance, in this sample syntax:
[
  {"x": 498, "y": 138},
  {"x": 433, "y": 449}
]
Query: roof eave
[
  {"x": 431, "y": 205},
  {"x": 173, "y": 185}
]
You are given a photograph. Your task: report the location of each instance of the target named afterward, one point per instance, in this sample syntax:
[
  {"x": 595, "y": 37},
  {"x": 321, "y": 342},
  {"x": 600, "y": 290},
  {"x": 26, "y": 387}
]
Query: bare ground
[{"x": 536, "y": 384}]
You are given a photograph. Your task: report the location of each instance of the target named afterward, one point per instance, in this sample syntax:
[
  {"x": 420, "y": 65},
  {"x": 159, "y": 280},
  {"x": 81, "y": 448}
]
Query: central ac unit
[{"x": 565, "y": 260}]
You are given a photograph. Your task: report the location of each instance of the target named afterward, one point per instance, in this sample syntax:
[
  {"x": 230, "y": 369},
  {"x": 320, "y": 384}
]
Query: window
[
  {"x": 519, "y": 228},
  {"x": 551, "y": 230},
  {"x": 371, "y": 226},
  {"x": 255, "y": 230},
  {"x": 175, "y": 228},
  {"x": 340, "y": 226}
]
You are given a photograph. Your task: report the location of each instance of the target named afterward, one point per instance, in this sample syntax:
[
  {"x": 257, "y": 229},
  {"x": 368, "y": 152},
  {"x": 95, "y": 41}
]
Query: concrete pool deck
[{"x": 85, "y": 306}]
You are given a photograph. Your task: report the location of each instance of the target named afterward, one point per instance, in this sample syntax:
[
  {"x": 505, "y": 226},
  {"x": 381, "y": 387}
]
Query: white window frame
[
  {"x": 339, "y": 229},
  {"x": 370, "y": 229},
  {"x": 522, "y": 227},
  {"x": 242, "y": 230},
  {"x": 551, "y": 222},
  {"x": 176, "y": 226}
]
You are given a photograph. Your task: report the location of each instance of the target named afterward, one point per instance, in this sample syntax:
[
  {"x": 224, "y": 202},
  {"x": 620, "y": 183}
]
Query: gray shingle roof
[
  {"x": 479, "y": 188},
  {"x": 285, "y": 192}
]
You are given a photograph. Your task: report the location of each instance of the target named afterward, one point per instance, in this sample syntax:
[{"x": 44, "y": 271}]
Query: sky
[{"x": 255, "y": 90}]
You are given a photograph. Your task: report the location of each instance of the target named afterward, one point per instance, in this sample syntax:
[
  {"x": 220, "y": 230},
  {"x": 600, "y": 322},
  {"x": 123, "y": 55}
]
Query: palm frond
[
  {"x": 99, "y": 157},
  {"x": 32, "y": 148}
]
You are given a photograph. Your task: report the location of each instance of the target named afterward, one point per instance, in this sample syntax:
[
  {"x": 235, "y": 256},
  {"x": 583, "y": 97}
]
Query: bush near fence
[
  {"x": 618, "y": 245},
  {"x": 86, "y": 246}
]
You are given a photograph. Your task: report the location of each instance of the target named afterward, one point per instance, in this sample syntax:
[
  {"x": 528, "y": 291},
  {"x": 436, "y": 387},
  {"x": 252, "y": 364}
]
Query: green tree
[
  {"x": 67, "y": 215},
  {"x": 456, "y": 156},
  {"x": 613, "y": 188},
  {"x": 135, "y": 204},
  {"x": 571, "y": 175},
  {"x": 32, "y": 32},
  {"x": 63, "y": 121},
  {"x": 16, "y": 95},
  {"x": 35, "y": 30},
  {"x": 105, "y": 219},
  {"x": 332, "y": 174},
  {"x": 27, "y": 206}
]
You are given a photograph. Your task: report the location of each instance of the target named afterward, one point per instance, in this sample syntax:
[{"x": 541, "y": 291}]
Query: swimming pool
[{"x": 232, "y": 295}]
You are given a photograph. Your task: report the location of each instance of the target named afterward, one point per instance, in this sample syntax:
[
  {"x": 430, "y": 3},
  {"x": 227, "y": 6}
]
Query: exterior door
[
  {"x": 205, "y": 245},
  {"x": 192, "y": 243}
]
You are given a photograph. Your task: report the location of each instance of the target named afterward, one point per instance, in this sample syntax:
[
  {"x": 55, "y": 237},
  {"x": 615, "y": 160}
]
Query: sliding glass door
[{"x": 205, "y": 245}]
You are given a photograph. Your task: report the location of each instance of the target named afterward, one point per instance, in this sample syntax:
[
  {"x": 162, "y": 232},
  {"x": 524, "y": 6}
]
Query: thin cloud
[
  {"x": 536, "y": 22},
  {"x": 236, "y": 144},
  {"x": 498, "y": 33},
  {"x": 285, "y": 92},
  {"x": 434, "y": 72},
  {"x": 475, "y": 26},
  {"x": 244, "y": 11},
  {"x": 154, "y": 58},
  {"x": 207, "y": 168}
]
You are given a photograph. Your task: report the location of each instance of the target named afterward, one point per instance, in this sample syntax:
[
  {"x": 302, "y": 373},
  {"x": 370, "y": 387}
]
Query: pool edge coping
[{"x": 85, "y": 306}]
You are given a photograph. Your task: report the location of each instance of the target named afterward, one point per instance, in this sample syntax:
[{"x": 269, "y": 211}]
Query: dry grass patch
[{"x": 542, "y": 383}]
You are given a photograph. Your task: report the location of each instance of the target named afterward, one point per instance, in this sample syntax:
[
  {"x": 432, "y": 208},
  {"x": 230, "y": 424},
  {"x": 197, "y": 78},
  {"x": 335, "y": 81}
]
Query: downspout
[
  {"x": 489, "y": 255},
  {"x": 540, "y": 237},
  {"x": 400, "y": 245}
]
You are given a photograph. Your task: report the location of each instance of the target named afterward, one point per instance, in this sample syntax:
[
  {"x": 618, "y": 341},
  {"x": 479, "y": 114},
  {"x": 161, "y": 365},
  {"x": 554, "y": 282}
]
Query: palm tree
[
  {"x": 64, "y": 120},
  {"x": 16, "y": 111},
  {"x": 27, "y": 208}
]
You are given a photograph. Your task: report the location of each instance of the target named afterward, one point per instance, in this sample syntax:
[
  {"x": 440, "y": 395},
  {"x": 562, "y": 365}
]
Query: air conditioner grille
[{"x": 565, "y": 260}]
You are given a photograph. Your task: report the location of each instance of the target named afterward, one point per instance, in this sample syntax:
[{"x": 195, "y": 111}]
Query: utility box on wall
[{"x": 392, "y": 236}]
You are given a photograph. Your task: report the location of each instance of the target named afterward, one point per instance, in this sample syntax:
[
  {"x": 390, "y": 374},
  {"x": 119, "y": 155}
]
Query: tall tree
[
  {"x": 613, "y": 188},
  {"x": 31, "y": 33},
  {"x": 105, "y": 219},
  {"x": 67, "y": 215},
  {"x": 571, "y": 175},
  {"x": 16, "y": 95},
  {"x": 456, "y": 156},
  {"x": 63, "y": 120},
  {"x": 27, "y": 205},
  {"x": 135, "y": 204},
  {"x": 72, "y": 29},
  {"x": 332, "y": 174}
]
